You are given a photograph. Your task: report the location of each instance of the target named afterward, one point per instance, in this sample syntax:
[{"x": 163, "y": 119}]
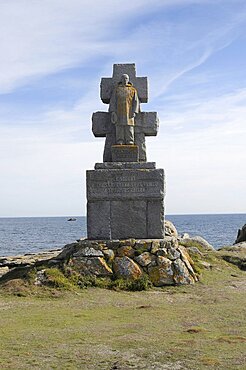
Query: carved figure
[
  {"x": 124, "y": 105},
  {"x": 104, "y": 124}
]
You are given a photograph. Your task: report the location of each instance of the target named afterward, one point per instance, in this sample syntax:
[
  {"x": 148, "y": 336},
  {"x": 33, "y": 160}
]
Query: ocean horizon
[{"x": 20, "y": 235}]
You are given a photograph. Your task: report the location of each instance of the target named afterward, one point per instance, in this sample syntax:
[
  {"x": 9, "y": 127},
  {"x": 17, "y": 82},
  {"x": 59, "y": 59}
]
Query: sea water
[{"x": 33, "y": 234}]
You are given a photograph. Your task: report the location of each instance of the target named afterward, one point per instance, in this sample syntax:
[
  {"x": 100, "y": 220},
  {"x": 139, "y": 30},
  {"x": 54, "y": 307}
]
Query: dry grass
[{"x": 189, "y": 327}]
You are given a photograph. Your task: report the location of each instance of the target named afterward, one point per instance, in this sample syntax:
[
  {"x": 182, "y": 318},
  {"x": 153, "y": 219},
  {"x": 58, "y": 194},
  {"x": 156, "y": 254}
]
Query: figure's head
[{"x": 124, "y": 79}]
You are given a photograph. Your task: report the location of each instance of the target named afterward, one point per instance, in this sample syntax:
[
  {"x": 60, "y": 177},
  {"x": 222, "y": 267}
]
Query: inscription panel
[{"x": 126, "y": 184}]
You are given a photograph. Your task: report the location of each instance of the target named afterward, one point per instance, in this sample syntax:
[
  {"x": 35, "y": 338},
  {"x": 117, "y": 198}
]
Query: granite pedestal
[{"x": 125, "y": 200}]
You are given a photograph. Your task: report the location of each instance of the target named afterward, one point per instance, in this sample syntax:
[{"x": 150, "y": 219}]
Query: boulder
[
  {"x": 241, "y": 235},
  {"x": 124, "y": 267},
  {"x": 170, "y": 229},
  {"x": 163, "y": 260},
  {"x": 125, "y": 250},
  {"x": 239, "y": 247},
  {"x": 88, "y": 252},
  {"x": 108, "y": 254},
  {"x": 155, "y": 246},
  {"x": 181, "y": 274},
  {"x": 144, "y": 259},
  {"x": 196, "y": 241},
  {"x": 173, "y": 253},
  {"x": 235, "y": 254},
  {"x": 162, "y": 252},
  {"x": 186, "y": 258},
  {"x": 169, "y": 242},
  {"x": 90, "y": 266},
  {"x": 162, "y": 274}
]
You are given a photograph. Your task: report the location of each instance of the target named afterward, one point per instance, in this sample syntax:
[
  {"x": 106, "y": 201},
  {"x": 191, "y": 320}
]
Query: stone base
[
  {"x": 125, "y": 165},
  {"x": 163, "y": 261},
  {"x": 125, "y": 202}
]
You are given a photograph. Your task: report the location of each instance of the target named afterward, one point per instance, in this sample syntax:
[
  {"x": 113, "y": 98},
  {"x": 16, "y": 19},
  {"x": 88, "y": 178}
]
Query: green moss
[
  {"x": 142, "y": 283},
  {"x": 56, "y": 279},
  {"x": 142, "y": 248},
  {"x": 195, "y": 244}
]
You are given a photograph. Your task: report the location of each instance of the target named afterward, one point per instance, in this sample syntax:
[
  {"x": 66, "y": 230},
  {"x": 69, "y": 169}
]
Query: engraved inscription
[{"x": 124, "y": 185}]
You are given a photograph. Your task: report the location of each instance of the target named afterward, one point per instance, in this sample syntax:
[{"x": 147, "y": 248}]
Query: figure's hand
[{"x": 113, "y": 118}]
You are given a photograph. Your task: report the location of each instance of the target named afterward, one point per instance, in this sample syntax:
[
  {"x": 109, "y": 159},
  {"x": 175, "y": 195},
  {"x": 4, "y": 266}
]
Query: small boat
[{"x": 72, "y": 219}]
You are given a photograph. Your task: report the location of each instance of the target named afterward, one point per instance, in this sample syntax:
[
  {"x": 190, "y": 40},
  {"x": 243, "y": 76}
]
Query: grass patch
[
  {"x": 197, "y": 326},
  {"x": 237, "y": 258},
  {"x": 143, "y": 283}
]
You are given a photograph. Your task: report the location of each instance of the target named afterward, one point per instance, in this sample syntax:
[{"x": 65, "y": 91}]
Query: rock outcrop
[
  {"x": 241, "y": 235},
  {"x": 235, "y": 254},
  {"x": 13, "y": 263},
  {"x": 195, "y": 241},
  {"x": 170, "y": 229},
  {"x": 163, "y": 262}
]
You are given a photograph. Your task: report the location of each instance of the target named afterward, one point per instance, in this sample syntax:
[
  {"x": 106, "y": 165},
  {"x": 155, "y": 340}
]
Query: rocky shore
[{"x": 176, "y": 260}]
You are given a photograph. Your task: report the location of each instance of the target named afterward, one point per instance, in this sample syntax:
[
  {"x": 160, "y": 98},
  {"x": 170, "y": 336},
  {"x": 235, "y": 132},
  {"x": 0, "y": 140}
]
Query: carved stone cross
[{"x": 146, "y": 123}]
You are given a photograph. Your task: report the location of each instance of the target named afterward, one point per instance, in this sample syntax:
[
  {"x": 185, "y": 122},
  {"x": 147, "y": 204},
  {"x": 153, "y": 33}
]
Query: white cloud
[
  {"x": 43, "y": 37},
  {"x": 205, "y": 163},
  {"x": 44, "y": 158}
]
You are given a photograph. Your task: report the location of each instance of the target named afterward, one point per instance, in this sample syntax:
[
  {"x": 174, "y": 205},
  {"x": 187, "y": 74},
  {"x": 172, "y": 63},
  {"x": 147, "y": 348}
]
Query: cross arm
[{"x": 146, "y": 122}]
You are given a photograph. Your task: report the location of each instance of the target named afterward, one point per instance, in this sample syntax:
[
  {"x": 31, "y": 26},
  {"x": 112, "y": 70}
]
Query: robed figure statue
[{"x": 124, "y": 105}]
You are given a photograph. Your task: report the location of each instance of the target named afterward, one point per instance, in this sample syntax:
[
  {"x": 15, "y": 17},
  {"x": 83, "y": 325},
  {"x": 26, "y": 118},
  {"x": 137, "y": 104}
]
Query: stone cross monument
[
  {"x": 146, "y": 123},
  {"x": 125, "y": 194}
]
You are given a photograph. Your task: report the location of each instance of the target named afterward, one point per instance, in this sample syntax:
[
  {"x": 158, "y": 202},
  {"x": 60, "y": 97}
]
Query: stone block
[
  {"x": 162, "y": 274},
  {"x": 125, "y": 153},
  {"x": 181, "y": 273},
  {"x": 144, "y": 259},
  {"x": 125, "y": 250},
  {"x": 125, "y": 165},
  {"x": 129, "y": 184},
  {"x": 101, "y": 124},
  {"x": 98, "y": 220},
  {"x": 128, "y": 219},
  {"x": 146, "y": 123},
  {"x": 126, "y": 268},
  {"x": 155, "y": 219},
  {"x": 94, "y": 266}
]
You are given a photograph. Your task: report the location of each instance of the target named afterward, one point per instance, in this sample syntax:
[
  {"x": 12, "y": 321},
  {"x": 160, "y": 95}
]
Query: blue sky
[{"x": 53, "y": 55}]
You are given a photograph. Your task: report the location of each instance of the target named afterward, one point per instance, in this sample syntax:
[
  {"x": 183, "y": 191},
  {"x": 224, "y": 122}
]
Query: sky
[{"x": 53, "y": 55}]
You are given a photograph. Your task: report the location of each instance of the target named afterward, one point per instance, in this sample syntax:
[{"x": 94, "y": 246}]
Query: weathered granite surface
[
  {"x": 125, "y": 153},
  {"x": 125, "y": 165},
  {"x": 10, "y": 263},
  {"x": 145, "y": 123},
  {"x": 125, "y": 194},
  {"x": 125, "y": 203},
  {"x": 235, "y": 254},
  {"x": 196, "y": 241},
  {"x": 241, "y": 235},
  {"x": 117, "y": 184},
  {"x": 108, "y": 83},
  {"x": 163, "y": 261}
]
